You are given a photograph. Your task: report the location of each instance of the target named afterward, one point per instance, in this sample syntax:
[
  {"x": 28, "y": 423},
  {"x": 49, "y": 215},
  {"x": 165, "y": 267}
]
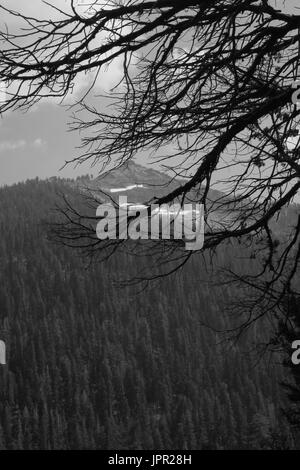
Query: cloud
[
  {"x": 293, "y": 142},
  {"x": 2, "y": 93},
  {"x": 35, "y": 8},
  {"x": 38, "y": 143},
  {"x": 9, "y": 145},
  {"x": 286, "y": 6},
  {"x": 107, "y": 78}
]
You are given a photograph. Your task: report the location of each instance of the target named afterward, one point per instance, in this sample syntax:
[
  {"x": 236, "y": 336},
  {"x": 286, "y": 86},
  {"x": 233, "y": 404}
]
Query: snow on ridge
[{"x": 127, "y": 188}]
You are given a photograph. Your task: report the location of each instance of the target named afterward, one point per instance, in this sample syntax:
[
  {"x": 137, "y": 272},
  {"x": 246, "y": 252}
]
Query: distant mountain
[
  {"x": 139, "y": 183},
  {"x": 132, "y": 173},
  {"x": 142, "y": 184}
]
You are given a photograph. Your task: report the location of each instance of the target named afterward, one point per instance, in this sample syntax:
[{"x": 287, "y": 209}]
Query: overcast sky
[{"x": 37, "y": 143}]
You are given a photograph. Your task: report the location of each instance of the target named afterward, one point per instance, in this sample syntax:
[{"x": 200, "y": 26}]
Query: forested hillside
[{"x": 94, "y": 366}]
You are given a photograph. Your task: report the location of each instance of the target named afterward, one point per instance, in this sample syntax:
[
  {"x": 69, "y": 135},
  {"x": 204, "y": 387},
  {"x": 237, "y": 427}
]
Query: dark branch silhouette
[{"x": 207, "y": 86}]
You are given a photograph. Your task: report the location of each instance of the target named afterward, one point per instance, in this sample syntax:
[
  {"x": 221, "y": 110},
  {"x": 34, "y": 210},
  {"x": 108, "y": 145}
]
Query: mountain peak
[
  {"x": 140, "y": 183},
  {"x": 132, "y": 173}
]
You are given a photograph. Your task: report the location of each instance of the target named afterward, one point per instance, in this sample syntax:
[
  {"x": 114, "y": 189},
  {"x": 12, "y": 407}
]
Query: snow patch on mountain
[{"x": 126, "y": 188}]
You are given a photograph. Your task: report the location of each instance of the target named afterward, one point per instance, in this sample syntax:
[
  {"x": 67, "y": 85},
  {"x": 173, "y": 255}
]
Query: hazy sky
[{"x": 37, "y": 143}]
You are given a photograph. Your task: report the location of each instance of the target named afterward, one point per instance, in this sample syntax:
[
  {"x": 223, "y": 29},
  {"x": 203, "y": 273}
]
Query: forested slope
[{"x": 92, "y": 366}]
